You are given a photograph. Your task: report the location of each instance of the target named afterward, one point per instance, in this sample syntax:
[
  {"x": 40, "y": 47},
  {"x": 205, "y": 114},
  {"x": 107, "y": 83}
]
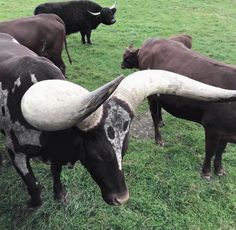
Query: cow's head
[
  {"x": 104, "y": 146},
  {"x": 106, "y": 15},
  {"x": 108, "y": 128},
  {"x": 102, "y": 137},
  {"x": 130, "y": 58}
]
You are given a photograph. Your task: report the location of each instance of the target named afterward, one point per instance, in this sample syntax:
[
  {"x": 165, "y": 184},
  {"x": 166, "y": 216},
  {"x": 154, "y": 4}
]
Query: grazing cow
[
  {"x": 44, "y": 34},
  {"x": 44, "y": 115},
  {"x": 218, "y": 119},
  {"x": 83, "y": 16}
]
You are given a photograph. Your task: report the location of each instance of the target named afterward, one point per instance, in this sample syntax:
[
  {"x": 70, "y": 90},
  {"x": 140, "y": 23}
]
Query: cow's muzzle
[
  {"x": 116, "y": 199},
  {"x": 113, "y": 21}
]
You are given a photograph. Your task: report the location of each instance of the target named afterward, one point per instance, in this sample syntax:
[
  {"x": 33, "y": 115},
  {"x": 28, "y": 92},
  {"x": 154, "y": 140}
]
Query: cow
[
  {"x": 43, "y": 115},
  {"x": 44, "y": 34},
  {"x": 82, "y": 15},
  {"x": 218, "y": 119}
]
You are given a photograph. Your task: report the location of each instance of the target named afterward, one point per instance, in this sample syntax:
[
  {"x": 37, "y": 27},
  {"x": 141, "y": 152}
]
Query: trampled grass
[{"x": 166, "y": 189}]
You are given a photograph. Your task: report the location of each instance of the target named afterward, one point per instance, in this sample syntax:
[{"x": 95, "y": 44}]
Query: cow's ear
[
  {"x": 113, "y": 10},
  {"x": 130, "y": 47},
  {"x": 136, "y": 51}
]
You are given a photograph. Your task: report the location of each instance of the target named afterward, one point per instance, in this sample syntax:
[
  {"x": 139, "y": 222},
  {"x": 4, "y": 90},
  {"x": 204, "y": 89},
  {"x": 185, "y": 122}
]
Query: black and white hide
[{"x": 26, "y": 81}]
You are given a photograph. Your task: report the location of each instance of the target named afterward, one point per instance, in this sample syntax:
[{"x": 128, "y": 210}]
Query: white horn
[
  {"x": 137, "y": 86},
  {"x": 113, "y": 6},
  {"x": 95, "y": 14},
  {"x": 52, "y": 105}
]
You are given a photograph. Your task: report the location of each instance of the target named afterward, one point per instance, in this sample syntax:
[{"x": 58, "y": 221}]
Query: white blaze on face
[
  {"x": 116, "y": 127},
  {"x": 20, "y": 161}
]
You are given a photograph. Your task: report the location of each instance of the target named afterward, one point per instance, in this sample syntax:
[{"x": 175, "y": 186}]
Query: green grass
[{"x": 166, "y": 189}]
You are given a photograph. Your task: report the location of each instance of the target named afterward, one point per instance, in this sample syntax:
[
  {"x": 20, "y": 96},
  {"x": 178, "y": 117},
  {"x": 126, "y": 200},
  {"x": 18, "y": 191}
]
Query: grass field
[{"x": 166, "y": 189}]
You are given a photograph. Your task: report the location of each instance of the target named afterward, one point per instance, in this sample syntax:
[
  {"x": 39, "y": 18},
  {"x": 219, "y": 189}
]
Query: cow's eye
[
  {"x": 111, "y": 132},
  {"x": 125, "y": 125}
]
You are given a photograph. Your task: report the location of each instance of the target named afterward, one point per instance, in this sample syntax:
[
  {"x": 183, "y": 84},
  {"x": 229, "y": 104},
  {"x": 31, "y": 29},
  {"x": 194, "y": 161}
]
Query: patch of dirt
[{"x": 142, "y": 126}]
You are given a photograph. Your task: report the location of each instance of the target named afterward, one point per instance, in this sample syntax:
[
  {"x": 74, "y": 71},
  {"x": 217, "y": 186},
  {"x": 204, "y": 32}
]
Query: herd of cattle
[{"x": 44, "y": 115}]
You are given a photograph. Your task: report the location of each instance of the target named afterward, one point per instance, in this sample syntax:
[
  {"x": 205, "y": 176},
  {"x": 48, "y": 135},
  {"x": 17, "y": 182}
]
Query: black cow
[
  {"x": 44, "y": 34},
  {"x": 218, "y": 119},
  {"x": 44, "y": 115},
  {"x": 83, "y": 16}
]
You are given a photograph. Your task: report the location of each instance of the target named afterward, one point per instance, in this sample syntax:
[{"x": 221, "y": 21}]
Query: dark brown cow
[
  {"x": 44, "y": 34},
  {"x": 218, "y": 119}
]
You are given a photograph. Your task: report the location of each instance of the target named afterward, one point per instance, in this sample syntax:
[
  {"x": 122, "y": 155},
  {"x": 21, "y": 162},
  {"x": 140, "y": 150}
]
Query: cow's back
[
  {"x": 42, "y": 29},
  {"x": 173, "y": 56}
]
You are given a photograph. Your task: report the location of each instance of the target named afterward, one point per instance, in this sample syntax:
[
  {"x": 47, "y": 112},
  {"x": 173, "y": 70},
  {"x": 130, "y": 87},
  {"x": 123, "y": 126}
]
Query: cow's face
[
  {"x": 107, "y": 16},
  {"x": 104, "y": 147},
  {"x": 130, "y": 58}
]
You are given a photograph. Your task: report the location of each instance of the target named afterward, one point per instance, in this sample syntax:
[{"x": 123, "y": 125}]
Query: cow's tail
[{"x": 67, "y": 51}]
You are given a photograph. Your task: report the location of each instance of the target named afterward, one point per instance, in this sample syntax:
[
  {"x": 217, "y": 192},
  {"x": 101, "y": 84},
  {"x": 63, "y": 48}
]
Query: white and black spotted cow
[{"x": 50, "y": 118}]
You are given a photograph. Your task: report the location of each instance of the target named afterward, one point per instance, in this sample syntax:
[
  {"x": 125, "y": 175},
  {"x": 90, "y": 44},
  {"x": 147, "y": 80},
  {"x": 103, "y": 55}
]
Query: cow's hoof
[
  {"x": 34, "y": 204},
  {"x": 220, "y": 172},
  {"x": 161, "y": 124},
  {"x": 62, "y": 198},
  {"x": 160, "y": 143},
  {"x": 207, "y": 176}
]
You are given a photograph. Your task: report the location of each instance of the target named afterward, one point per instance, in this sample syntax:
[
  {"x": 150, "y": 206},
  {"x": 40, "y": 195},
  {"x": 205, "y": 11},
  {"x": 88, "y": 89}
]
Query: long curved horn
[
  {"x": 137, "y": 86},
  {"x": 95, "y": 14},
  {"x": 52, "y": 105},
  {"x": 113, "y": 6}
]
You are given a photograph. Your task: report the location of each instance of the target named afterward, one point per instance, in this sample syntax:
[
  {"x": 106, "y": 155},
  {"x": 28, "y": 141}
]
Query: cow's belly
[
  {"x": 182, "y": 108},
  {"x": 219, "y": 117}
]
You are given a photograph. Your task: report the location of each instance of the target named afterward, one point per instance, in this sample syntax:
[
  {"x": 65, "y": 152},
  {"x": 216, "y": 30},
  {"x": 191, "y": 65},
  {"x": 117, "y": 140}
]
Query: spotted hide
[{"x": 21, "y": 69}]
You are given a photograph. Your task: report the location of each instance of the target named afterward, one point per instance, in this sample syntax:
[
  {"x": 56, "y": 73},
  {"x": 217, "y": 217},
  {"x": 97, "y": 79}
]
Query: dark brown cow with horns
[
  {"x": 218, "y": 119},
  {"x": 80, "y": 16}
]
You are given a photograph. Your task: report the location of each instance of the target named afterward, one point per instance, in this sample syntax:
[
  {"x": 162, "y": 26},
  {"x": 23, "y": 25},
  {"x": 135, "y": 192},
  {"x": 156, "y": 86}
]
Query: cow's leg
[
  {"x": 88, "y": 35},
  {"x": 58, "y": 188},
  {"x": 57, "y": 60},
  {"x": 83, "y": 36},
  {"x": 155, "y": 110},
  {"x": 211, "y": 143},
  {"x": 218, "y": 168},
  {"x": 22, "y": 165}
]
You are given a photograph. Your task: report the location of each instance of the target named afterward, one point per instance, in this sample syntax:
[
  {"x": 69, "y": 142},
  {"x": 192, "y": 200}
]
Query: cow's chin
[{"x": 116, "y": 198}]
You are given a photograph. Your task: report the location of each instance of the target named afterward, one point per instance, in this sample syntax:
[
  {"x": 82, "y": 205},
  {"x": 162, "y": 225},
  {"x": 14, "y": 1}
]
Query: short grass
[{"x": 166, "y": 189}]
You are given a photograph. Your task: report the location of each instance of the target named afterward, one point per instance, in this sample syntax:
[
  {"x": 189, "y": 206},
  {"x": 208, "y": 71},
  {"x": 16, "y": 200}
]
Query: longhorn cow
[
  {"x": 44, "y": 34},
  {"x": 218, "y": 119},
  {"x": 83, "y": 16},
  {"x": 44, "y": 115}
]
